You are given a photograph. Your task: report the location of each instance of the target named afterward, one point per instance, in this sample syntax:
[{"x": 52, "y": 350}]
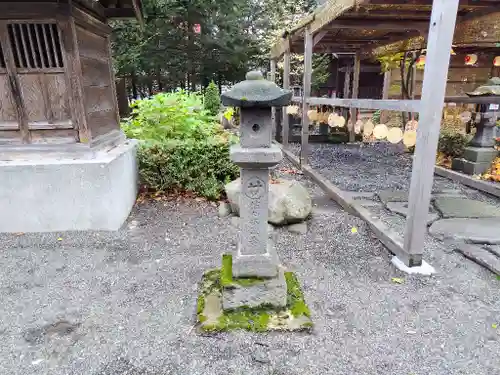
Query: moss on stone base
[
  {"x": 212, "y": 318},
  {"x": 227, "y": 280}
]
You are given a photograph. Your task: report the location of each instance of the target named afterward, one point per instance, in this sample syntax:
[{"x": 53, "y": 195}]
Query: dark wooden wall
[
  {"x": 98, "y": 90},
  {"x": 56, "y": 78}
]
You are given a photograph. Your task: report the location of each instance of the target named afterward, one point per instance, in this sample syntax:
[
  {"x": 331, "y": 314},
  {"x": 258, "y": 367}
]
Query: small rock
[
  {"x": 260, "y": 355},
  {"x": 300, "y": 228},
  {"x": 289, "y": 201},
  {"x": 224, "y": 209}
]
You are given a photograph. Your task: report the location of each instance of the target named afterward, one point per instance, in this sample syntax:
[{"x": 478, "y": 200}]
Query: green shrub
[
  {"x": 376, "y": 117},
  {"x": 181, "y": 147},
  {"x": 202, "y": 167},
  {"x": 176, "y": 115},
  {"x": 212, "y": 99},
  {"x": 452, "y": 144}
]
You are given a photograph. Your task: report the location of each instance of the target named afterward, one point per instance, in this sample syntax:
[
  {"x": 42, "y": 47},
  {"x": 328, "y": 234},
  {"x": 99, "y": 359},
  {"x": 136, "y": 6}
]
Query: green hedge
[{"x": 202, "y": 167}]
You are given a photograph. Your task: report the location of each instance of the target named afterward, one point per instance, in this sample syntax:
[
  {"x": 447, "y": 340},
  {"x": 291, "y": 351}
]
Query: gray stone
[
  {"x": 224, "y": 209},
  {"x": 479, "y": 154},
  {"x": 494, "y": 249},
  {"x": 456, "y": 207},
  {"x": 485, "y": 230},
  {"x": 299, "y": 228},
  {"x": 271, "y": 291},
  {"x": 481, "y": 256},
  {"x": 401, "y": 208},
  {"x": 289, "y": 201},
  {"x": 469, "y": 167},
  {"x": 49, "y": 194},
  {"x": 256, "y": 265},
  {"x": 393, "y": 196}
]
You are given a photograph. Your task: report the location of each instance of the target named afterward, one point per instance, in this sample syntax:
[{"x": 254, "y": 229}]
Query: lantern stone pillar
[
  {"x": 255, "y": 260},
  {"x": 481, "y": 151}
]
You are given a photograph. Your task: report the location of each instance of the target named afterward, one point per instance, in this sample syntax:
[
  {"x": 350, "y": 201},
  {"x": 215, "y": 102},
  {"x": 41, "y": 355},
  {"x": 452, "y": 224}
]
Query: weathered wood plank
[
  {"x": 54, "y": 136},
  {"x": 442, "y": 26},
  {"x": 114, "y": 95},
  {"x": 319, "y": 36},
  {"x": 58, "y": 98},
  {"x": 95, "y": 72},
  {"x": 32, "y": 10},
  {"x": 98, "y": 98},
  {"x": 71, "y": 58},
  {"x": 308, "y": 51},
  {"x": 286, "y": 85},
  {"x": 8, "y": 112},
  {"x": 102, "y": 122},
  {"x": 14, "y": 88},
  {"x": 31, "y": 89},
  {"x": 88, "y": 22},
  {"x": 355, "y": 93},
  {"x": 390, "y": 104},
  {"x": 92, "y": 46}
]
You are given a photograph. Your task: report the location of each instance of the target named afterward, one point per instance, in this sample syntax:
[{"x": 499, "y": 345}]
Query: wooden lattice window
[{"x": 36, "y": 45}]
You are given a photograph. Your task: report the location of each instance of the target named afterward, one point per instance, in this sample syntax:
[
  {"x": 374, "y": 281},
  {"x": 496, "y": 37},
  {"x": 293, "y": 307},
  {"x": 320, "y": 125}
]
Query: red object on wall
[{"x": 197, "y": 28}]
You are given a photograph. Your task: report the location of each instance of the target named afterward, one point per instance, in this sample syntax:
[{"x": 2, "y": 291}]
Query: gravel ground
[
  {"x": 374, "y": 167},
  {"x": 109, "y": 303}
]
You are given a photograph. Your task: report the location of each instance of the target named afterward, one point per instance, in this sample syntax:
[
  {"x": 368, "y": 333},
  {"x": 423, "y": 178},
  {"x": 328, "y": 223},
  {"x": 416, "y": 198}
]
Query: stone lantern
[
  {"x": 255, "y": 257},
  {"x": 481, "y": 151}
]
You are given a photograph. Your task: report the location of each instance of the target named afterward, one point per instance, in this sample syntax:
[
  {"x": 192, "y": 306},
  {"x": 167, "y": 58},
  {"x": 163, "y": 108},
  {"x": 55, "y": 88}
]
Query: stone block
[
  {"x": 480, "y": 155},
  {"x": 457, "y": 164},
  {"x": 48, "y": 194},
  {"x": 256, "y": 265},
  {"x": 266, "y": 292},
  {"x": 473, "y": 168},
  {"x": 262, "y": 157},
  {"x": 401, "y": 208}
]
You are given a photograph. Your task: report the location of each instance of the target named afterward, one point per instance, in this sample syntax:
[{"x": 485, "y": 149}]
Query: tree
[{"x": 211, "y": 100}]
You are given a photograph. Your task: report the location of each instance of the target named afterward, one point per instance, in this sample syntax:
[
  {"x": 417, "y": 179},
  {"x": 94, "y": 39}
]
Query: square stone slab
[
  {"x": 211, "y": 316},
  {"x": 481, "y": 256},
  {"x": 401, "y": 208},
  {"x": 457, "y": 207},
  {"x": 393, "y": 196},
  {"x": 482, "y": 231}
]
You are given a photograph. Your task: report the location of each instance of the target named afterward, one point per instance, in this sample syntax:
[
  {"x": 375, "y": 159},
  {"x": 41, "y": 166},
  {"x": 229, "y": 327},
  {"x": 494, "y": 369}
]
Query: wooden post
[
  {"x": 355, "y": 93},
  {"x": 273, "y": 109},
  {"x": 306, "y": 93},
  {"x": 286, "y": 85},
  {"x": 442, "y": 26},
  {"x": 347, "y": 84},
  {"x": 384, "y": 115}
]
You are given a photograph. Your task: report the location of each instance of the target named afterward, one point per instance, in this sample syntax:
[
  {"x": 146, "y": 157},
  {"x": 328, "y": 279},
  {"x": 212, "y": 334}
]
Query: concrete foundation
[{"x": 47, "y": 194}]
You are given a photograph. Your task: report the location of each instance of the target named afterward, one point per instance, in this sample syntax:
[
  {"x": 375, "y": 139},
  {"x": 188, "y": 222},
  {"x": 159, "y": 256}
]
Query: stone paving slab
[
  {"x": 393, "y": 196},
  {"x": 401, "y": 208},
  {"x": 457, "y": 207},
  {"x": 484, "y": 230},
  {"x": 495, "y": 249},
  {"x": 481, "y": 256}
]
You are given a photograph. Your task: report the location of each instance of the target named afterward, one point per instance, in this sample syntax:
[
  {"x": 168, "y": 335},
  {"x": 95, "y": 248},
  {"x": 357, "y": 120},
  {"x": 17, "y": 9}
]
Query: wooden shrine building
[
  {"x": 64, "y": 162},
  {"x": 56, "y": 76}
]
